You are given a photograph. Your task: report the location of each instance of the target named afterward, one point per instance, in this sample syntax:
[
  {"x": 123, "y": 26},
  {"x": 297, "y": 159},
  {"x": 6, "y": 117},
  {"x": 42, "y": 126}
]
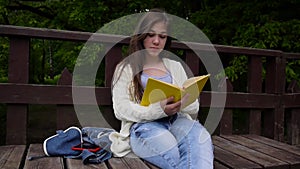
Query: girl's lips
[{"x": 154, "y": 48}]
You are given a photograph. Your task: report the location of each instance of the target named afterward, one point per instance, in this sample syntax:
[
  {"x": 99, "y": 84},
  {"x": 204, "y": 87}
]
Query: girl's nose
[{"x": 156, "y": 40}]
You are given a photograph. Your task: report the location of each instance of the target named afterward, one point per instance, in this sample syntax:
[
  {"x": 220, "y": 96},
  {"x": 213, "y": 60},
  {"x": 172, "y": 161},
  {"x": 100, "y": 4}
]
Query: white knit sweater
[{"x": 128, "y": 111}]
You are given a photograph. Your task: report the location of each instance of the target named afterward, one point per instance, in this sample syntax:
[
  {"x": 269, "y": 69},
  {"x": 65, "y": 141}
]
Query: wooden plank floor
[
  {"x": 11, "y": 156},
  {"x": 252, "y": 151},
  {"x": 243, "y": 151}
]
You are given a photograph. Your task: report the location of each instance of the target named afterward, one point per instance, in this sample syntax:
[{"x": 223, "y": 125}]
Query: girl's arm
[{"x": 125, "y": 108}]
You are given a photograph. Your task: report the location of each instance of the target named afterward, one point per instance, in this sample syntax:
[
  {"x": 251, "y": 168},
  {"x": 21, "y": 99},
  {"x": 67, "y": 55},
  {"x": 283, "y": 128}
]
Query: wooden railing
[{"x": 271, "y": 108}]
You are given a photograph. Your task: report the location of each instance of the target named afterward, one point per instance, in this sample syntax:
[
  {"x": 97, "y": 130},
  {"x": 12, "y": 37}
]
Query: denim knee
[
  {"x": 167, "y": 160},
  {"x": 204, "y": 136},
  {"x": 155, "y": 144}
]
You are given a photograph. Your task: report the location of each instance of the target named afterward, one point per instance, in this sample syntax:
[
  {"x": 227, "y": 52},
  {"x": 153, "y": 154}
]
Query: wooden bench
[
  {"x": 243, "y": 151},
  {"x": 271, "y": 106}
]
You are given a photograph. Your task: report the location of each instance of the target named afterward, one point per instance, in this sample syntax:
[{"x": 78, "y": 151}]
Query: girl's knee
[
  {"x": 169, "y": 159},
  {"x": 204, "y": 136}
]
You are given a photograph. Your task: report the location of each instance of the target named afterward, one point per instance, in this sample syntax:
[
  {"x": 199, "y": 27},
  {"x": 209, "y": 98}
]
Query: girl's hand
[{"x": 171, "y": 108}]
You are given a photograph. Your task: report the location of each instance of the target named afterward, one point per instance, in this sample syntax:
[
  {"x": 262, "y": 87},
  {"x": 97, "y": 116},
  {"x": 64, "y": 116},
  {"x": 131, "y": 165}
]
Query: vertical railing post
[
  {"x": 275, "y": 83},
  {"x": 112, "y": 58},
  {"x": 293, "y": 118},
  {"x": 192, "y": 68},
  {"x": 18, "y": 72},
  {"x": 226, "y": 127},
  {"x": 65, "y": 114},
  {"x": 193, "y": 62},
  {"x": 255, "y": 86}
]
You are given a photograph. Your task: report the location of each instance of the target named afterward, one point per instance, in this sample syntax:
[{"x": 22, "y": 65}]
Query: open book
[{"x": 157, "y": 90}]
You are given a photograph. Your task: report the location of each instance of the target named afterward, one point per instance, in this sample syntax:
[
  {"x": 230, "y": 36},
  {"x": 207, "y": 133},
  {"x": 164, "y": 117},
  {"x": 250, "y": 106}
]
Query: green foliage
[
  {"x": 256, "y": 24},
  {"x": 48, "y": 58},
  {"x": 271, "y": 35},
  {"x": 251, "y": 23},
  {"x": 292, "y": 70},
  {"x": 238, "y": 68},
  {"x": 52, "y": 80},
  {"x": 4, "y": 46},
  {"x": 124, "y": 25}
]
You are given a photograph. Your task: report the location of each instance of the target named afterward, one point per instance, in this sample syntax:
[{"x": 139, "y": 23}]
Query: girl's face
[{"x": 156, "y": 39}]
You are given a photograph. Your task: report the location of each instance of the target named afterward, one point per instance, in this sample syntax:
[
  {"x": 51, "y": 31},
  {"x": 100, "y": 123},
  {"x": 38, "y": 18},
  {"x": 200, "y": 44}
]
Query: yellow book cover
[{"x": 157, "y": 90}]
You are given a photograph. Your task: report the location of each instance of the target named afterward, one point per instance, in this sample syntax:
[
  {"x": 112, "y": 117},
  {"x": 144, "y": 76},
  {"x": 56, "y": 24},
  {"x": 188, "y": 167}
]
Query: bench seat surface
[{"x": 231, "y": 151}]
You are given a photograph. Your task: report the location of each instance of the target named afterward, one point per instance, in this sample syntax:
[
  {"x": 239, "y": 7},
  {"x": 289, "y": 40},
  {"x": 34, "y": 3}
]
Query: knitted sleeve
[{"x": 125, "y": 108}]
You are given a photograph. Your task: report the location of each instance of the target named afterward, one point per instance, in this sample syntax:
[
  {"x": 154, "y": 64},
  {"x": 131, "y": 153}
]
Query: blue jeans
[{"x": 175, "y": 142}]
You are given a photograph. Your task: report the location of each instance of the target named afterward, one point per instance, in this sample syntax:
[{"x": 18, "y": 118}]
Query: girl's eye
[
  {"x": 162, "y": 36},
  {"x": 151, "y": 34}
]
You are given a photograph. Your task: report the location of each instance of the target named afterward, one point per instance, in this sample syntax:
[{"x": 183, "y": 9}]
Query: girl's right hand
[{"x": 170, "y": 107}]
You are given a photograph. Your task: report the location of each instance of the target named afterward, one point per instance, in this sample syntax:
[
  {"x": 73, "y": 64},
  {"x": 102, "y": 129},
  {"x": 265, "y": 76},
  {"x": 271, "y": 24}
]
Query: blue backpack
[
  {"x": 90, "y": 144},
  {"x": 61, "y": 144}
]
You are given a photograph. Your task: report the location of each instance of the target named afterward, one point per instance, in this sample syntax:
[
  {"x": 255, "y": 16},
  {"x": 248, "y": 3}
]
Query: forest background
[{"x": 264, "y": 24}]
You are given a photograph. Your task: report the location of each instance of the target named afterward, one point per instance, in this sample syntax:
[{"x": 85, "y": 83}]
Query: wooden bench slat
[
  {"x": 218, "y": 165},
  {"x": 151, "y": 166},
  {"x": 226, "y": 158},
  {"x": 292, "y": 159},
  {"x": 126, "y": 163},
  {"x": 273, "y": 143},
  {"x": 78, "y": 164},
  {"x": 245, "y": 152},
  {"x": 11, "y": 156},
  {"x": 45, "y": 163}
]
